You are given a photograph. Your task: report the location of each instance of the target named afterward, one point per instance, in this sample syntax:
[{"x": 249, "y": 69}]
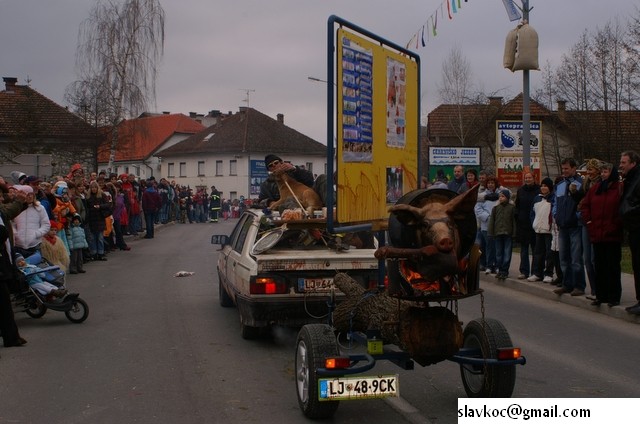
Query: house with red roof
[
  {"x": 230, "y": 154},
  {"x": 141, "y": 138},
  {"x": 31, "y": 124}
]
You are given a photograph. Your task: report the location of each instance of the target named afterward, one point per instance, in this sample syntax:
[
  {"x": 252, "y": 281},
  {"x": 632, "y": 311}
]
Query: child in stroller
[{"x": 45, "y": 279}]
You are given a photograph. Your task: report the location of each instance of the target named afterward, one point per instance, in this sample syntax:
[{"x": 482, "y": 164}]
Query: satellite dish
[{"x": 268, "y": 240}]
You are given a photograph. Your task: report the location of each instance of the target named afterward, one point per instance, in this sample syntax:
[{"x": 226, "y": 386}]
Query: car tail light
[
  {"x": 509, "y": 353},
  {"x": 262, "y": 285},
  {"x": 340, "y": 362}
]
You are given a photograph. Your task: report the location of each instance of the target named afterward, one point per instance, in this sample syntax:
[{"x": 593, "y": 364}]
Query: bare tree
[
  {"x": 456, "y": 89},
  {"x": 120, "y": 47}
]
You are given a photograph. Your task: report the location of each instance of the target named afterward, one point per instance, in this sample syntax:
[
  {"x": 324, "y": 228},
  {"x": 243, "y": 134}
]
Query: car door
[{"x": 237, "y": 268}]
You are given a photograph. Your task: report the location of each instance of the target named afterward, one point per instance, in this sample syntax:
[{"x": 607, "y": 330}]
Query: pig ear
[
  {"x": 463, "y": 204},
  {"x": 407, "y": 214}
]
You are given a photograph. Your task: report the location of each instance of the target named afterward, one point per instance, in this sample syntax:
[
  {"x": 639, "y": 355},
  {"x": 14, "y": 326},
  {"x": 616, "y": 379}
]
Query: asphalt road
[{"x": 160, "y": 349}]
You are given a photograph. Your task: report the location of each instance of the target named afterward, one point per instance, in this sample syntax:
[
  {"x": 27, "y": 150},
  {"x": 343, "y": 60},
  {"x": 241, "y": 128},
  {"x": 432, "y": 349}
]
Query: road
[{"x": 160, "y": 349}]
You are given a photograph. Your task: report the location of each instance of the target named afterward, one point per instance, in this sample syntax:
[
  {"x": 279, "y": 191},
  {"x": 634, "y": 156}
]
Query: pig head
[{"x": 442, "y": 233}]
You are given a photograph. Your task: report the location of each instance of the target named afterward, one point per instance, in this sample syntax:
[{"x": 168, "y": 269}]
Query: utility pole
[{"x": 526, "y": 114}]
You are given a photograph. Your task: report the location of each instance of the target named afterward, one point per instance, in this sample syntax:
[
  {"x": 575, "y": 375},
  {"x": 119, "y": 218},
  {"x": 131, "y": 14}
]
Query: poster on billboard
[
  {"x": 258, "y": 174},
  {"x": 510, "y": 170},
  {"x": 509, "y": 137},
  {"x": 377, "y": 126}
]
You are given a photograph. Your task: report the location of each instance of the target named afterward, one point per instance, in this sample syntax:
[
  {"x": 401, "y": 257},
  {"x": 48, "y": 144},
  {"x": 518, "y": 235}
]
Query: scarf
[{"x": 51, "y": 239}]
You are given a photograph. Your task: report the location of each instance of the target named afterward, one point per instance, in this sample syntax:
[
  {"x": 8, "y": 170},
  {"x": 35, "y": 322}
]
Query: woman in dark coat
[
  {"x": 525, "y": 235},
  {"x": 98, "y": 207},
  {"x": 600, "y": 212}
]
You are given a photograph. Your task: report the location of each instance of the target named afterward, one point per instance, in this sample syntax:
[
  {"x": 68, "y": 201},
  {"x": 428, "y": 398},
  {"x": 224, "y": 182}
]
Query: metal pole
[{"x": 526, "y": 115}]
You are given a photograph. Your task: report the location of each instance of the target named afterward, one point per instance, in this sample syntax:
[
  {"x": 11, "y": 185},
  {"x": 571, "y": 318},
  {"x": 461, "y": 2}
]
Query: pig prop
[{"x": 431, "y": 237}]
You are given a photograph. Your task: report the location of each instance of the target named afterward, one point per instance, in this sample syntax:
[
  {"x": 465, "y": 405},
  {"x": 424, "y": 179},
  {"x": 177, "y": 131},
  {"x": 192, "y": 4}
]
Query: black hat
[
  {"x": 270, "y": 158},
  {"x": 506, "y": 193},
  {"x": 547, "y": 182},
  {"x": 32, "y": 179}
]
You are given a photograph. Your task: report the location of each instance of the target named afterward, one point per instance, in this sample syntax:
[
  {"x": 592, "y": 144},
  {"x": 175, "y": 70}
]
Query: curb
[{"x": 545, "y": 291}]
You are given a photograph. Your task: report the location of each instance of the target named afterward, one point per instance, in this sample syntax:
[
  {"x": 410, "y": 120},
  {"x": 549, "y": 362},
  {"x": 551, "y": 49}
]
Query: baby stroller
[{"x": 36, "y": 304}]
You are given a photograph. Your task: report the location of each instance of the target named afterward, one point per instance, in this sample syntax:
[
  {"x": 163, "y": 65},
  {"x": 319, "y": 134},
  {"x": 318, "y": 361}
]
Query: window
[
  {"x": 233, "y": 167},
  {"x": 200, "y": 168},
  {"x": 219, "y": 168},
  {"x": 183, "y": 169},
  {"x": 171, "y": 170},
  {"x": 309, "y": 167},
  {"x": 233, "y": 195}
]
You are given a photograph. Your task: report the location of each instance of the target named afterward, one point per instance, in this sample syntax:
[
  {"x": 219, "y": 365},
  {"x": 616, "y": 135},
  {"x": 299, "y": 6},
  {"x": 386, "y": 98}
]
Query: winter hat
[
  {"x": 17, "y": 258},
  {"x": 23, "y": 188},
  {"x": 547, "y": 182},
  {"x": 506, "y": 193},
  {"x": 270, "y": 158},
  {"x": 593, "y": 163},
  {"x": 76, "y": 216}
]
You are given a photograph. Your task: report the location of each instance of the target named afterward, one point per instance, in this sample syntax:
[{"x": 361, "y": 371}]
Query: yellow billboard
[{"x": 377, "y": 128}]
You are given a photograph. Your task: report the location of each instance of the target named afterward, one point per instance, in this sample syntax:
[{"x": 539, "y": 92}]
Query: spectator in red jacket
[{"x": 600, "y": 211}]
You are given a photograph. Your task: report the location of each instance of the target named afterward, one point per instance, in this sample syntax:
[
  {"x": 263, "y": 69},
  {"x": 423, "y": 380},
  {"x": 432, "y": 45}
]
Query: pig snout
[{"x": 445, "y": 244}]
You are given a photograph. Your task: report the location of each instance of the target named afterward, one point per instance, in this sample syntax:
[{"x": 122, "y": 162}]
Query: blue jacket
[
  {"x": 76, "y": 238},
  {"x": 565, "y": 207}
]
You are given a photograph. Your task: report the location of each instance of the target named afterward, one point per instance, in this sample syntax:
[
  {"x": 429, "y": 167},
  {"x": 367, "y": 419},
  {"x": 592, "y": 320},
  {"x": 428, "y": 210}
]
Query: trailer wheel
[
  {"x": 487, "y": 381},
  {"x": 315, "y": 342}
]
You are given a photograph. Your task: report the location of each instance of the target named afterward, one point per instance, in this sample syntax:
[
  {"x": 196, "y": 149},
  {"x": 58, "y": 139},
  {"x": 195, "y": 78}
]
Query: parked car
[{"x": 281, "y": 273}]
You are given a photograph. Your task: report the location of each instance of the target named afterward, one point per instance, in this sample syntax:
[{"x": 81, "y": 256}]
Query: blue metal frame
[{"x": 331, "y": 51}]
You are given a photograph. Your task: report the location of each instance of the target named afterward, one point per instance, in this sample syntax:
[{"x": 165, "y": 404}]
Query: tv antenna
[{"x": 248, "y": 91}]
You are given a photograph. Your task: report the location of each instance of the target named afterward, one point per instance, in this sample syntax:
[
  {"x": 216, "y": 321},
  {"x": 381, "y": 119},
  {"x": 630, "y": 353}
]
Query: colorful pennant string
[{"x": 431, "y": 24}]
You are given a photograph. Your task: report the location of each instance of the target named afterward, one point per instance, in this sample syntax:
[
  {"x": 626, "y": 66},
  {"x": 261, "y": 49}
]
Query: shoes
[
  {"x": 631, "y": 307},
  {"x": 101, "y": 258},
  {"x": 557, "y": 282},
  {"x": 561, "y": 290},
  {"x": 596, "y": 303},
  {"x": 522, "y": 277},
  {"x": 487, "y": 271},
  {"x": 18, "y": 342},
  {"x": 73, "y": 272},
  {"x": 148, "y": 237},
  {"x": 81, "y": 271},
  {"x": 635, "y": 310},
  {"x": 125, "y": 248},
  {"x": 612, "y": 304},
  {"x": 577, "y": 292},
  {"x": 534, "y": 278},
  {"x": 591, "y": 297},
  {"x": 547, "y": 279}
]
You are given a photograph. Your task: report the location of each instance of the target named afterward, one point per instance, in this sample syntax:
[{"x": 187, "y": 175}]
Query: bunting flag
[{"x": 430, "y": 26}]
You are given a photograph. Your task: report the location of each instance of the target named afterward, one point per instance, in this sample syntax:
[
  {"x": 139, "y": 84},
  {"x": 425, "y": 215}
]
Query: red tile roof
[
  {"x": 248, "y": 131},
  {"x": 26, "y": 114},
  {"x": 139, "y": 138}
]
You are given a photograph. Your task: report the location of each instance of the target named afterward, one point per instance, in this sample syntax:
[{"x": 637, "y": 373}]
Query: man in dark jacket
[
  {"x": 151, "y": 204},
  {"x": 565, "y": 212},
  {"x": 525, "y": 197},
  {"x": 630, "y": 212},
  {"x": 269, "y": 192}
]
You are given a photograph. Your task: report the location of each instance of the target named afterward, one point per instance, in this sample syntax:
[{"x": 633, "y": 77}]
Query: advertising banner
[
  {"x": 377, "y": 124},
  {"x": 510, "y": 170},
  {"x": 509, "y": 137}
]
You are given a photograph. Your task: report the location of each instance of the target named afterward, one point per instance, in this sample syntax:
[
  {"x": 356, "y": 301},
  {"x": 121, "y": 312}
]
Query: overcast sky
[{"x": 216, "y": 49}]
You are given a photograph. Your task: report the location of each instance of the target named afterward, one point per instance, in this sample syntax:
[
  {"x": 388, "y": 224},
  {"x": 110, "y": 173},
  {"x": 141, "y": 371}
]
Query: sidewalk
[{"x": 543, "y": 290}]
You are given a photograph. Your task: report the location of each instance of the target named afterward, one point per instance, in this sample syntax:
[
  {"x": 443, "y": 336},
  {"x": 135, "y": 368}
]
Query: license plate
[
  {"x": 315, "y": 284},
  {"x": 345, "y": 388}
]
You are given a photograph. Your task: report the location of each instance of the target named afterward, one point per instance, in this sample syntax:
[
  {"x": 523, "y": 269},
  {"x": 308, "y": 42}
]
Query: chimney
[
  {"x": 562, "y": 109},
  {"x": 10, "y": 83},
  {"x": 192, "y": 114},
  {"x": 243, "y": 109},
  {"x": 495, "y": 102},
  {"x": 166, "y": 112},
  {"x": 280, "y": 118}
]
